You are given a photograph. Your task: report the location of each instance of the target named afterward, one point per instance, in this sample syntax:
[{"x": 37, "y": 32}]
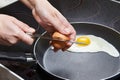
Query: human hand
[
  {"x": 13, "y": 30},
  {"x": 52, "y": 20}
]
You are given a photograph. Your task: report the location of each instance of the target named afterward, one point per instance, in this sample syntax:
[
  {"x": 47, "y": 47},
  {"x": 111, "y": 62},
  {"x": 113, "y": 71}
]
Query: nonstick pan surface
[{"x": 80, "y": 66}]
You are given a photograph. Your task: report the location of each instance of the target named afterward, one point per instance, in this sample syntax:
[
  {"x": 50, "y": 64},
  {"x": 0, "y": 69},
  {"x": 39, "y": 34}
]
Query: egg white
[{"x": 97, "y": 44}]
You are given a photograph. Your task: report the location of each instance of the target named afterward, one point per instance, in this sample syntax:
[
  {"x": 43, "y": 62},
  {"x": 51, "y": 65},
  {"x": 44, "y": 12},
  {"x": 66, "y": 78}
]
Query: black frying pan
[{"x": 80, "y": 66}]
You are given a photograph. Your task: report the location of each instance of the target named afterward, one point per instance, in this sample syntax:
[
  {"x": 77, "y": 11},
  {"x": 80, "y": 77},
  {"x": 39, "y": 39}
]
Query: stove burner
[
  {"x": 116, "y": 23},
  {"x": 80, "y": 9}
]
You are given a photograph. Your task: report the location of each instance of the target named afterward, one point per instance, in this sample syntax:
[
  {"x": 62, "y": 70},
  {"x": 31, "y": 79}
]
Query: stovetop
[{"x": 104, "y": 12}]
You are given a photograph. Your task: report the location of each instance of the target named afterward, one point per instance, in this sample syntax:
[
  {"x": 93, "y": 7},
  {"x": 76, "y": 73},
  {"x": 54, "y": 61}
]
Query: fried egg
[{"x": 93, "y": 44}]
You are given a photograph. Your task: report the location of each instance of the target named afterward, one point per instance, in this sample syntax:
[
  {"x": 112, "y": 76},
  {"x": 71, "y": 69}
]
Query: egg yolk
[{"x": 83, "y": 39}]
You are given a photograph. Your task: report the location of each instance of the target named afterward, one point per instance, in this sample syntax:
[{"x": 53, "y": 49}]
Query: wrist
[{"x": 34, "y": 2}]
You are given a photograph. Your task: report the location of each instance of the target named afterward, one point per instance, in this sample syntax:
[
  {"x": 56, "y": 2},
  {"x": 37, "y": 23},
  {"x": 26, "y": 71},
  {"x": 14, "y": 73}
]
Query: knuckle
[{"x": 17, "y": 33}]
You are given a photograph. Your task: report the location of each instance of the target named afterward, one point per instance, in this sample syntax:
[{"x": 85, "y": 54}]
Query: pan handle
[{"x": 17, "y": 56}]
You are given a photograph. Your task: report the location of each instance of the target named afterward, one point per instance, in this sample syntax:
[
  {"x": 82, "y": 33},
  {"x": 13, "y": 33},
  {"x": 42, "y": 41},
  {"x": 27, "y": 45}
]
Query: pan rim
[{"x": 112, "y": 76}]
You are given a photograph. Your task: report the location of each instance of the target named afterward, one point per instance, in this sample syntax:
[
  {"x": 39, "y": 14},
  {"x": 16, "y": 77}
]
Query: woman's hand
[
  {"x": 13, "y": 30},
  {"x": 50, "y": 18}
]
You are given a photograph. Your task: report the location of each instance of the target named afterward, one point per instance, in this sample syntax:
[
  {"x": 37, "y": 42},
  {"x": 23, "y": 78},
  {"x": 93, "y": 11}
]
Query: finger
[
  {"x": 58, "y": 21},
  {"x": 69, "y": 29},
  {"x": 73, "y": 36},
  {"x": 21, "y": 35},
  {"x": 58, "y": 26},
  {"x": 24, "y": 26},
  {"x": 66, "y": 47},
  {"x": 26, "y": 38}
]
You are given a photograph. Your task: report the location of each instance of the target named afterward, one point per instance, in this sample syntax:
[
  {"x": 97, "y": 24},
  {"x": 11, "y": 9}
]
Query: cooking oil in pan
[{"x": 70, "y": 65}]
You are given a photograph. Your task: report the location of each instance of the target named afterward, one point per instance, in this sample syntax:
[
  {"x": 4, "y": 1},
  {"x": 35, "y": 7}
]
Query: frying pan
[{"x": 79, "y": 66}]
